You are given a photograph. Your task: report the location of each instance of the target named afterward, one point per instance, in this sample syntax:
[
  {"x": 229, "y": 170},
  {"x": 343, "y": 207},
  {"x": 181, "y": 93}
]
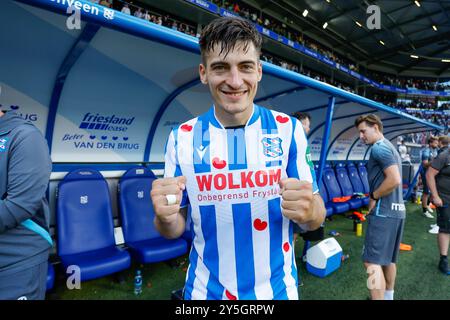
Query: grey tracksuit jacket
[{"x": 25, "y": 168}]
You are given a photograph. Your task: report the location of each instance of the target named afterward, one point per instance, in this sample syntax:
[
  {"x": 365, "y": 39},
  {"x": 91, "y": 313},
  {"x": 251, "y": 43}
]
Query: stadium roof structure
[
  {"x": 406, "y": 29},
  {"x": 126, "y": 67}
]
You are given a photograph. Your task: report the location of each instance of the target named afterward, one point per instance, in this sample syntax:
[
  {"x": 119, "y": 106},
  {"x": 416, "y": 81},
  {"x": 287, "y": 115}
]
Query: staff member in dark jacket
[{"x": 25, "y": 168}]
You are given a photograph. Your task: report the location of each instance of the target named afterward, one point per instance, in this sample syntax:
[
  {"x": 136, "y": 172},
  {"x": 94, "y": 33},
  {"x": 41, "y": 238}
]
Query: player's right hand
[
  {"x": 437, "y": 201},
  {"x": 160, "y": 188}
]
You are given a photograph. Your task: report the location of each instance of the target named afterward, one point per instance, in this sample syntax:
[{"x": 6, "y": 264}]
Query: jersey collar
[{"x": 216, "y": 123}]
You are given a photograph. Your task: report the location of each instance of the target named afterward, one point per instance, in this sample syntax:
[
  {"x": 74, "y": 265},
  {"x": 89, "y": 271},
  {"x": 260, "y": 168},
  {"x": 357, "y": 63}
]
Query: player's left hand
[{"x": 297, "y": 200}]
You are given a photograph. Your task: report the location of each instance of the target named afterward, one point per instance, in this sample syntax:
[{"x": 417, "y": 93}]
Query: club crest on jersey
[
  {"x": 3, "y": 142},
  {"x": 272, "y": 147}
]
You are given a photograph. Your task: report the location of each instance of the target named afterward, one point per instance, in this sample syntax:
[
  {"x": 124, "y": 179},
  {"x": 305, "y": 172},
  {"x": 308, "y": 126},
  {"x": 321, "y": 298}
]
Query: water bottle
[
  {"x": 138, "y": 283},
  {"x": 359, "y": 229},
  {"x": 344, "y": 257}
]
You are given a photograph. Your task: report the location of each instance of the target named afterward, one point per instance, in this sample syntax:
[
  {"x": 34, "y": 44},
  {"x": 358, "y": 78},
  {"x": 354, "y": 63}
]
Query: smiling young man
[
  {"x": 246, "y": 174},
  {"x": 386, "y": 209}
]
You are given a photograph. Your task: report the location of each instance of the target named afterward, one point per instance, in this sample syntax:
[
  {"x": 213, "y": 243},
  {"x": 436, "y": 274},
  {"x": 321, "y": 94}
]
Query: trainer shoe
[
  {"x": 430, "y": 210},
  {"x": 427, "y": 214},
  {"x": 443, "y": 266},
  {"x": 434, "y": 230},
  {"x": 433, "y": 225}
]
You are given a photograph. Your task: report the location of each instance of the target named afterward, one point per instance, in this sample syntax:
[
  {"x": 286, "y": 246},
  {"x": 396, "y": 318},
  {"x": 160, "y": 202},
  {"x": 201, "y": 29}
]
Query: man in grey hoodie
[{"x": 25, "y": 168}]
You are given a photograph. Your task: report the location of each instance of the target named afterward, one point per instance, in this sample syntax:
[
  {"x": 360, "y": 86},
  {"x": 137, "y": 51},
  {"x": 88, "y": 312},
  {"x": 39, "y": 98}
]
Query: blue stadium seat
[
  {"x": 364, "y": 177},
  {"x": 85, "y": 226},
  {"x": 357, "y": 184},
  {"x": 50, "y": 276},
  {"x": 334, "y": 191},
  {"x": 346, "y": 186},
  {"x": 323, "y": 192},
  {"x": 136, "y": 211}
]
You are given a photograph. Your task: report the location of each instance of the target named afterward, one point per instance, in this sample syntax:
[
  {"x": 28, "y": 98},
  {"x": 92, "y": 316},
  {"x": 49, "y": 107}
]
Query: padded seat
[
  {"x": 334, "y": 191},
  {"x": 363, "y": 175},
  {"x": 85, "y": 226},
  {"x": 157, "y": 249},
  {"x": 94, "y": 263},
  {"x": 357, "y": 184},
  {"x": 145, "y": 243},
  {"x": 324, "y": 194},
  {"x": 346, "y": 186}
]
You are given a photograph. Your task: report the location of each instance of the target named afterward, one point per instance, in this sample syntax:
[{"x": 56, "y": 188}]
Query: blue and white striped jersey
[{"x": 242, "y": 245}]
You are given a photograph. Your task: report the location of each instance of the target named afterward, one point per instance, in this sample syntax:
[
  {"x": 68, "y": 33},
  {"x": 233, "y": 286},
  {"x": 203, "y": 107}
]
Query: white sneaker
[
  {"x": 428, "y": 215},
  {"x": 434, "y": 230},
  {"x": 433, "y": 225},
  {"x": 430, "y": 210}
]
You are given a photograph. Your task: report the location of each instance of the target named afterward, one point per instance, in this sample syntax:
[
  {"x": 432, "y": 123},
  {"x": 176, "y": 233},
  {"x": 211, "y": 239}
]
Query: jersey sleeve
[
  {"x": 300, "y": 165},
  {"x": 425, "y": 155},
  {"x": 172, "y": 166},
  {"x": 383, "y": 156},
  {"x": 29, "y": 168}
]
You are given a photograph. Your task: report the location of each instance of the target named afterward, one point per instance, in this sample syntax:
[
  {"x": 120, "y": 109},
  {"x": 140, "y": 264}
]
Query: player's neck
[
  {"x": 233, "y": 119},
  {"x": 2, "y": 114},
  {"x": 378, "y": 138}
]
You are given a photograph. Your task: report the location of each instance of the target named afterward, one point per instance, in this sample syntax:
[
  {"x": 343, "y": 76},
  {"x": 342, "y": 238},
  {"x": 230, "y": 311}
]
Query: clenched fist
[
  {"x": 166, "y": 213},
  {"x": 297, "y": 200}
]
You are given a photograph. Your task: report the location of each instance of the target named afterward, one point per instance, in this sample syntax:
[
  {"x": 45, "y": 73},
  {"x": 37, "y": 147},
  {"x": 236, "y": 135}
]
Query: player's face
[
  {"x": 434, "y": 144},
  {"x": 232, "y": 79},
  {"x": 306, "y": 125},
  {"x": 367, "y": 134}
]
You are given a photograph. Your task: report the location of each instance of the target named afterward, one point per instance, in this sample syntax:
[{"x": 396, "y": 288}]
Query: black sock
[{"x": 443, "y": 257}]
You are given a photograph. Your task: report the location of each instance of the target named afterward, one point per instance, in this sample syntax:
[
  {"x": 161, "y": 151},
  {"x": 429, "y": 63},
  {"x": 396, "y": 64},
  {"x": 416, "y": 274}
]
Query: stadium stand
[{"x": 282, "y": 28}]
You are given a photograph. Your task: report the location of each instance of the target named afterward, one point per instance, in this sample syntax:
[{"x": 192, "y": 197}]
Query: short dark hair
[
  {"x": 301, "y": 115},
  {"x": 227, "y": 32},
  {"x": 370, "y": 120}
]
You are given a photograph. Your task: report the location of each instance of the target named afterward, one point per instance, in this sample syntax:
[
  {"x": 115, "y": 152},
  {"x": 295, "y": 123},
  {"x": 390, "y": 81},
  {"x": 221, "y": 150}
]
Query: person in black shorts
[
  {"x": 438, "y": 177},
  {"x": 386, "y": 209}
]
